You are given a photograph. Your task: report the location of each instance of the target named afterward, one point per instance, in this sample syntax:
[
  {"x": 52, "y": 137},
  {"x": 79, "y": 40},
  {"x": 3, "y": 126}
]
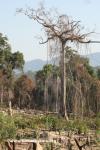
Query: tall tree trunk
[
  {"x": 2, "y": 94},
  {"x": 10, "y": 96},
  {"x": 46, "y": 96},
  {"x": 57, "y": 94},
  {"x": 19, "y": 102},
  {"x": 10, "y": 108},
  {"x": 63, "y": 80}
]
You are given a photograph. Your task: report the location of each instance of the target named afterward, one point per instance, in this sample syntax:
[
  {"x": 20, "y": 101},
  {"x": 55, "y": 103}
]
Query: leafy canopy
[{"x": 8, "y": 60}]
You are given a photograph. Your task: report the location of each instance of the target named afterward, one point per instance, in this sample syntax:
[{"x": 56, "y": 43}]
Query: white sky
[{"x": 21, "y": 31}]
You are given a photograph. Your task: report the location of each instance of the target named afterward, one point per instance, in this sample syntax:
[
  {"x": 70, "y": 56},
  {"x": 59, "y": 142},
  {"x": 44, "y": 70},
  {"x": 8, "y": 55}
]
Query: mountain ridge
[{"x": 37, "y": 64}]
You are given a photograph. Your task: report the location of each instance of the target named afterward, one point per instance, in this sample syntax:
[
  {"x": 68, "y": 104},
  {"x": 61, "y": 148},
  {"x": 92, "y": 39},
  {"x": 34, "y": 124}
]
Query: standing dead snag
[{"x": 61, "y": 30}]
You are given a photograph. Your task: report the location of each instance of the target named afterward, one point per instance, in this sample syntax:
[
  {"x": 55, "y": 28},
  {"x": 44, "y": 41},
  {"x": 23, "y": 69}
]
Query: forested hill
[{"x": 37, "y": 64}]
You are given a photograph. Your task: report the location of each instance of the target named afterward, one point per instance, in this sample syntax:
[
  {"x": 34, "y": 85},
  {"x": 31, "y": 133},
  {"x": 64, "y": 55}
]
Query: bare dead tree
[
  {"x": 83, "y": 146},
  {"x": 59, "y": 29}
]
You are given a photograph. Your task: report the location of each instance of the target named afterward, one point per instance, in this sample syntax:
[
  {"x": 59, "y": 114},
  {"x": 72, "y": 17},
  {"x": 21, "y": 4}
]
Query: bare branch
[
  {"x": 63, "y": 27},
  {"x": 43, "y": 42}
]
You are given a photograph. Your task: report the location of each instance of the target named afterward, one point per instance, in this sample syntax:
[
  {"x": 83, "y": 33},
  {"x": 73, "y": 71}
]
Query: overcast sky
[{"x": 21, "y": 31}]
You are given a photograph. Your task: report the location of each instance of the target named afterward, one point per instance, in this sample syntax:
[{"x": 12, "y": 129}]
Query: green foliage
[
  {"x": 25, "y": 126},
  {"x": 4, "y": 45},
  {"x": 98, "y": 73},
  {"x": 8, "y": 60},
  {"x": 37, "y": 122},
  {"x": 17, "y": 60},
  {"x": 50, "y": 122},
  {"x": 89, "y": 68},
  {"x": 78, "y": 126},
  {"x": 47, "y": 69},
  {"x": 98, "y": 135},
  {"x": 48, "y": 146},
  {"x": 22, "y": 122},
  {"x": 97, "y": 123},
  {"x": 81, "y": 126},
  {"x": 7, "y": 127}
]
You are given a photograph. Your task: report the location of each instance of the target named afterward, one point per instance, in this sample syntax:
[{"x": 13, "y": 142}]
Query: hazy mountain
[
  {"x": 37, "y": 64},
  {"x": 34, "y": 65},
  {"x": 94, "y": 59}
]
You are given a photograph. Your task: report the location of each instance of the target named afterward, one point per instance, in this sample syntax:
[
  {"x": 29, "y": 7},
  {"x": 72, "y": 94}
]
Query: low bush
[
  {"x": 7, "y": 127},
  {"x": 10, "y": 126},
  {"x": 50, "y": 122},
  {"x": 21, "y": 122},
  {"x": 78, "y": 126}
]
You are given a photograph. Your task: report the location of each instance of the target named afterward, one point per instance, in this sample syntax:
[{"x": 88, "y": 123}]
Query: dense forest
[{"x": 44, "y": 91}]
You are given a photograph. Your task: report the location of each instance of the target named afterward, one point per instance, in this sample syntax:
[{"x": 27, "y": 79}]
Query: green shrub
[
  {"x": 7, "y": 127},
  {"x": 22, "y": 122},
  {"x": 81, "y": 126},
  {"x": 77, "y": 126},
  {"x": 69, "y": 126},
  {"x": 97, "y": 122},
  {"x": 50, "y": 122},
  {"x": 48, "y": 146}
]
